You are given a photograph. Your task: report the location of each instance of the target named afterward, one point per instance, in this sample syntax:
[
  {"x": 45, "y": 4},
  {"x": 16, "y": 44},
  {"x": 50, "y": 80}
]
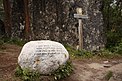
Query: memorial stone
[{"x": 43, "y": 56}]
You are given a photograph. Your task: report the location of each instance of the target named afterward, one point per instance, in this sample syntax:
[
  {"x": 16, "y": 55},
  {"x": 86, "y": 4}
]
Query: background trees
[
  {"x": 112, "y": 12},
  {"x": 1, "y": 10}
]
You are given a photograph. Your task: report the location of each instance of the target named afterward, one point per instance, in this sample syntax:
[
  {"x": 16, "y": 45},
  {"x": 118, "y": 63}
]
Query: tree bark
[
  {"x": 7, "y": 21},
  {"x": 27, "y": 19}
]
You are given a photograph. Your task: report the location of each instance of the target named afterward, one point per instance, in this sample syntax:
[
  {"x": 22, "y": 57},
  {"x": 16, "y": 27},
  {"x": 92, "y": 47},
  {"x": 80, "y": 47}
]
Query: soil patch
[{"x": 84, "y": 70}]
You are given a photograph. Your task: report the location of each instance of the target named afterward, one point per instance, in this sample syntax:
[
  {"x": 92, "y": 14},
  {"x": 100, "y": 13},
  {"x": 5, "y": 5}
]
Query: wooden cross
[{"x": 80, "y": 16}]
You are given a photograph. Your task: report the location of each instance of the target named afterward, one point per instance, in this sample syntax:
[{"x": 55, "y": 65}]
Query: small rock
[
  {"x": 115, "y": 62},
  {"x": 105, "y": 62},
  {"x": 107, "y": 65}
]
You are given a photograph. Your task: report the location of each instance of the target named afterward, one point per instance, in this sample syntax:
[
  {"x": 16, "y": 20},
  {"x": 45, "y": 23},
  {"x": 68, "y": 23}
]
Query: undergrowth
[
  {"x": 78, "y": 53},
  {"x": 26, "y": 74},
  {"x": 108, "y": 75},
  {"x": 15, "y": 41},
  {"x": 118, "y": 49},
  {"x": 61, "y": 73},
  {"x": 2, "y": 46},
  {"x": 103, "y": 53}
]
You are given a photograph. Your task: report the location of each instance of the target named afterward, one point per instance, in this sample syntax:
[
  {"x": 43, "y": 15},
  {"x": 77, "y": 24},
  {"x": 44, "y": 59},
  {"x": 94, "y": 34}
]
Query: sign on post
[{"x": 80, "y": 16}]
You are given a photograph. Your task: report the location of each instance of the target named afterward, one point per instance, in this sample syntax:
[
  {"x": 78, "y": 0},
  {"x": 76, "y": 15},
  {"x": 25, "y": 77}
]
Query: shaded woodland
[
  {"x": 26, "y": 20},
  {"x": 53, "y": 20}
]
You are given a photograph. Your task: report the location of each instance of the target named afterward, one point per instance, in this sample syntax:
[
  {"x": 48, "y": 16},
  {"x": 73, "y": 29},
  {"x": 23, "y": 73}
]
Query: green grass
[
  {"x": 78, "y": 53},
  {"x": 103, "y": 53},
  {"x": 108, "y": 75},
  {"x": 26, "y": 74},
  {"x": 2, "y": 47},
  {"x": 61, "y": 73},
  {"x": 15, "y": 41}
]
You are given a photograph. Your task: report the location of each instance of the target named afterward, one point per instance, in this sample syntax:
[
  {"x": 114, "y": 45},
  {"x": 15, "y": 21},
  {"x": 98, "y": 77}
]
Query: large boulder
[{"x": 43, "y": 56}]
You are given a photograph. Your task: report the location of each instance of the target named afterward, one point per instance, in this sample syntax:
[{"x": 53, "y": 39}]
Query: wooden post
[
  {"x": 27, "y": 19},
  {"x": 79, "y": 16},
  {"x": 80, "y": 30},
  {"x": 7, "y": 21}
]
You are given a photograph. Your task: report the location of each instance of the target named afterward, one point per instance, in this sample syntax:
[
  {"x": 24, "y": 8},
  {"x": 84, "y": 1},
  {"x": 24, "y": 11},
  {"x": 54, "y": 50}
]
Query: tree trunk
[
  {"x": 27, "y": 19},
  {"x": 7, "y": 21}
]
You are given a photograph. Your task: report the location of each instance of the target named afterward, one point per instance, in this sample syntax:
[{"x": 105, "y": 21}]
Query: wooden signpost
[{"x": 80, "y": 16}]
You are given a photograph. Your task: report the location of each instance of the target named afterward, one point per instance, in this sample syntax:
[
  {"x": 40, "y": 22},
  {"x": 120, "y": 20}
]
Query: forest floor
[{"x": 92, "y": 69}]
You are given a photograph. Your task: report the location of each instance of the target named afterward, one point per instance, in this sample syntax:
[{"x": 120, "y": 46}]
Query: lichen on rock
[{"x": 43, "y": 56}]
